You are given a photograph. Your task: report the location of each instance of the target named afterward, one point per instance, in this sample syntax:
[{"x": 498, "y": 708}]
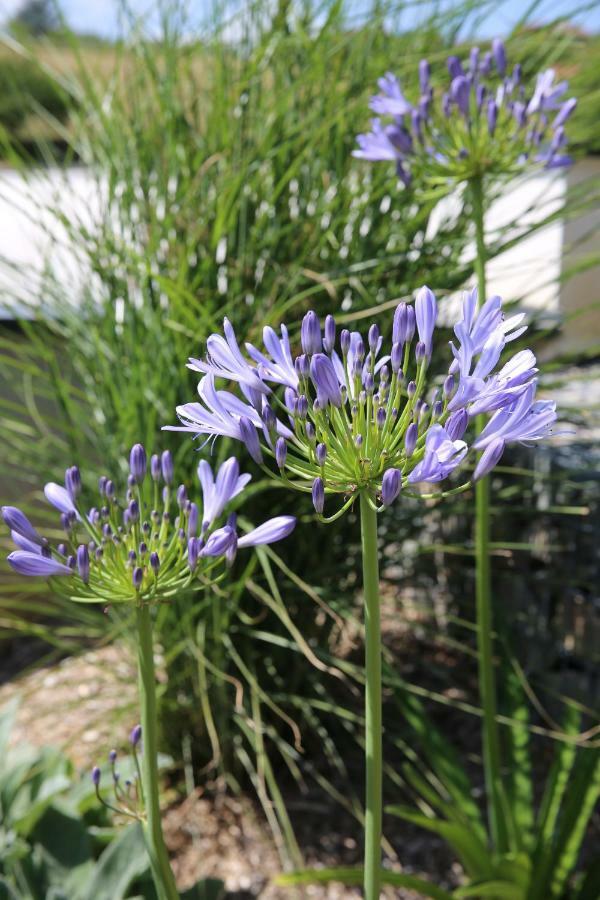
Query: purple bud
[
  {"x": 181, "y": 496},
  {"x": 96, "y": 775},
  {"x": 474, "y": 59},
  {"x": 109, "y": 489},
  {"x": 437, "y": 409},
  {"x": 410, "y": 324},
  {"x": 137, "y": 577},
  {"x": 249, "y": 437},
  {"x": 457, "y": 424},
  {"x": 102, "y": 484},
  {"x": 268, "y": 416},
  {"x": 71, "y": 561},
  {"x": 499, "y": 53},
  {"x": 280, "y": 452},
  {"x": 133, "y": 510},
  {"x": 302, "y": 365},
  {"x": 302, "y": 407},
  {"x": 486, "y": 64},
  {"x": 454, "y": 67},
  {"x": 99, "y": 554},
  {"x": 155, "y": 467},
  {"x": 345, "y": 341},
  {"x": 448, "y": 385},
  {"x": 410, "y": 439},
  {"x": 135, "y": 736},
  {"x": 193, "y": 548},
  {"x": 400, "y": 322},
  {"x": 424, "y": 76},
  {"x": 359, "y": 349},
  {"x": 369, "y": 383},
  {"x": 318, "y": 495},
  {"x": 411, "y": 389},
  {"x": 18, "y": 521},
  {"x": 373, "y": 337},
  {"x": 460, "y": 90},
  {"x": 130, "y": 482},
  {"x": 329, "y": 338},
  {"x": 390, "y": 486},
  {"x": 310, "y": 432},
  {"x": 358, "y": 440},
  {"x": 112, "y": 757},
  {"x": 73, "y": 482},
  {"x": 492, "y": 116},
  {"x": 166, "y": 462},
  {"x": 137, "y": 462},
  {"x": 310, "y": 333},
  {"x": 381, "y": 416},
  {"x": 154, "y": 562},
  {"x": 489, "y": 458},
  {"x": 192, "y": 527},
  {"x": 83, "y": 563},
  {"x": 62, "y": 549},
  {"x": 420, "y": 352},
  {"x": 321, "y": 454},
  {"x": 325, "y": 380}
]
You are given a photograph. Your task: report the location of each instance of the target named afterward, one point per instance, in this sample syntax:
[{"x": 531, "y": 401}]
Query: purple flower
[
  {"x": 318, "y": 495},
  {"x": 219, "y": 542},
  {"x": 137, "y": 463},
  {"x": 424, "y": 74},
  {"x": 27, "y": 563},
  {"x": 279, "y": 368},
  {"x": 489, "y": 458},
  {"x": 18, "y": 522},
  {"x": 280, "y": 452},
  {"x": 310, "y": 333},
  {"x": 136, "y": 735},
  {"x": 325, "y": 380},
  {"x": 224, "y": 358},
  {"x": 269, "y": 532},
  {"x": 426, "y": 316},
  {"x": 499, "y": 54},
  {"x": 329, "y": 334},
  {"x": 218, "y": 492},
  {"x": 166, "y": 463},
  {"x": 96, "y": 775},
  {"x": 73, "y": 482},
  {"x": 391, "y": 101},
  {"x": 460, "y": 91},
  {"x": 442, "y": 456},
  {"x": 523, "y": 420},
  {"x": 83, "y": 563},
  {"x": 390, "y": 486},
  {"x": 59, "y": 497}
]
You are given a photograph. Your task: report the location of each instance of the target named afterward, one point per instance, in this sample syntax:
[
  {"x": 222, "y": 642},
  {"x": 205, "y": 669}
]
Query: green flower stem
[
  {"x": 483, "y": 584},
  {"x": 373, "y": 742},
  {"x": 157, "y": 851}
]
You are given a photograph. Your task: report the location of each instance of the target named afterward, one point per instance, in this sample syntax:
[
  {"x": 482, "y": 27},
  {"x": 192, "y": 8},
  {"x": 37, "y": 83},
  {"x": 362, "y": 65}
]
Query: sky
[{"x": 102, "y": 17}]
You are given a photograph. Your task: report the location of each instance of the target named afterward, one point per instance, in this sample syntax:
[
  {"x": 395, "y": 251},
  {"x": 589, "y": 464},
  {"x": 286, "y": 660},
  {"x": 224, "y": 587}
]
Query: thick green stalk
[
  {"x": 157, "y": 851},
  {"x": 483, "y": 584},
  {"x": 373, "y": 742}
]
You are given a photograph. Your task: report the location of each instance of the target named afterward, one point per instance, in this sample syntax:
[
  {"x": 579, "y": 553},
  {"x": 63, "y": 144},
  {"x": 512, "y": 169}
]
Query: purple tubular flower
[
  {"x": 399, "y": 327},
  {"x": 499, "y": 53},
  {"x": 219, "y": 542},
  {"x": 218, "y": 492},
  {"x": 410, "y": 438},
  {"x": 390, "y": 486},
  {"x": 83, "y": 563},
  {"x": 345, "y": 340},
  {"x": 192, "y": 526},
  {"x": 96, "y": 775},
  {"x": 279, "y": 365},
  {"x": 24, "y": 543},
  {"x": 321, "y": 454},
  {"x": 249, "y": 437},
  {"x": 155, "y": 467},
  {"x": 154, "y": 562},
  {"x": 564, "y": 112},
  {"x": 272, "y": 530},
  {"x": 442, "y": 456},
  {"x": 280, "y": 452},
  {"x": 454, "y": 67},
  {"x": 325, "y": 380},
  {"x": 137, "y": 577},
  {"x": 134, "y": 510},
  {"x": 391, "y": 101},
  {"x": 426, "y": 316},
  {"x": 460, "y": 90},
  {"x": 18, "y": 522},
  {"x": 28, "y": 563},
  {"x": 329, "y": 336},
  {"x": 492, "y": 116},
  {"x": 225, "y": 360},
  {"x": 135, "y": 735},
  {"x": 523, "y": 420},
  {"x": 112, "y": 757},
  {"x": 137, "y": 463},
  {"x": 424, "y": 73},
  {"x": 73, "y": 482},
  {"x": 193, "y": 548},
  {"x": 489, "y": 458},
  {"x": 60, "y": 498},
  {"x": 474, "y": 60},
  {"x": 310, "y": 333},
  {"x": 318, "y": 495},
  {"x": 396, "y": 358},
  {"x": 166, "y": 462}
]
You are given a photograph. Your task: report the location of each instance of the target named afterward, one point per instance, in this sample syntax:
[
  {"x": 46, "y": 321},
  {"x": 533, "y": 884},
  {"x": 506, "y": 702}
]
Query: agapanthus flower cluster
[
  {"x": 126, "y": 793},
  {"x": 346, "y": 414},
  {"x": 485, "y": 120},
  {"x": 146, "y": 546}
]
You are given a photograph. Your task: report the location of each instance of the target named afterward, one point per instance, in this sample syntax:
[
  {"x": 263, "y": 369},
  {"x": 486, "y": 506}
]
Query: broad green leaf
[
  {"x": 123, "y": 861},
  {"x": 498, "y": 890},
  {"x": 353, "y": 876}
]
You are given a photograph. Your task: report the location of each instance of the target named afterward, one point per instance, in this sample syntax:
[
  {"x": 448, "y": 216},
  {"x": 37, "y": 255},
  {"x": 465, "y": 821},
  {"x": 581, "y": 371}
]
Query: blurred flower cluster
[
  {"x": 344, "y": 415},
  {"x": 146, "y": 546},
  {"x": 485, "y": 121}
]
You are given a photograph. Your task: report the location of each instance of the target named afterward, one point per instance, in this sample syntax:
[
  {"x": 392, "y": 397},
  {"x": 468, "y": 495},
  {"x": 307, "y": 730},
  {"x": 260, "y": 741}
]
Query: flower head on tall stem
[
  {"x": 360, "y": 417},
  {"x": 484, "y": 120},
  {"x": 143, "y": 546}
]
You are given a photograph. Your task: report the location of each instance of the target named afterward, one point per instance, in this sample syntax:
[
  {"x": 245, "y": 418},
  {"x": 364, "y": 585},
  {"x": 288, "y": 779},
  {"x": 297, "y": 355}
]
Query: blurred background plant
[{"x": 214, "y": 177}]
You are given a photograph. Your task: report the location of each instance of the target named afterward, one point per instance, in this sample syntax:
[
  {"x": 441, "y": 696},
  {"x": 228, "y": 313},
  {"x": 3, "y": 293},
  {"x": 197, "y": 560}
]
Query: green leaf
[
  {"x": 519, "y": 786},
  {"x": 498, "y": 890},
  {"x": 355, "y": 876},
  {"x": 7, "y": 720},
  {"x": 473, "y": 853},
  {"x": 120, "y": 865}
]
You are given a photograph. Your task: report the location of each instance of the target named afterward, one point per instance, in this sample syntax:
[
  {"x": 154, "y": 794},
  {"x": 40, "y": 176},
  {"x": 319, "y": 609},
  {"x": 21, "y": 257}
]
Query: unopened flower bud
[
  {"x": 73, "y": 482},
  {"x": 410, "y": 439},
  {"x": 166, "y": 463},
  {"x": 102, "y": 483},
  {"x": 329, "y": 336},
  {"x": 250, "y": 439},
  {"x": 109, "y": 489},
  {"x": 137, "y": 577},
  {"x": 321, "y": 454},
  {"x": 396, "y": 359},
  {"x": 310, "y": 333},
  {"x": 280, "y": 452},
  {"x": 134, "y": 511},
  {"x": 411, "y": 389},
  {"x": 302, "y": 365},
  {"x": 136, "y": 735},
  {"x": 390, "y": 486},
  {"x": 137, "y": 462},
  {"x": 96, "y": 775},
  {"x": 154, "y": 562},
  {"x": 302, "y": 407},
  {"x": 268, "y": 416},
  {"x": 155, "y": 468},
  {"x": 448, "y": 386},
  {"x": 112, "y": 757},
  {"x": 373, "y": 337},
  {"x": 310, "y": 432},
  {"x": 369, "y": 383},
  {"x": 381, "y": 416},
  {"x": 83, "y": 563},
  {"x": 318, "y": 495},
  {"x": 193, "y": 552},
  {"x": 345, "y": 341}
]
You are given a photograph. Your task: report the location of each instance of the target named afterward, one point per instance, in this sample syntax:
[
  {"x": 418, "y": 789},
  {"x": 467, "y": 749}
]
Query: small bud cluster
[
  {"x": 349, "y": 417},
  {"x": 127, "y": 799},
  {"x": 144, "y": 546},
  {"x": 485, "y": 121}
]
